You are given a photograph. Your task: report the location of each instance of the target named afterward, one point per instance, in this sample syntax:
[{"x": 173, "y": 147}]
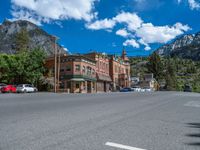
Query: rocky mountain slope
[
  {"x": 187, "y": 46},
  {"x": 37, "y": 37}
]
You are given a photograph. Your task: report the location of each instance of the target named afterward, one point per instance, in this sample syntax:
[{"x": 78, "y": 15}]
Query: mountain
[
  {"x": 37, "y": 37},
  {"x": 187, "y": 46}
]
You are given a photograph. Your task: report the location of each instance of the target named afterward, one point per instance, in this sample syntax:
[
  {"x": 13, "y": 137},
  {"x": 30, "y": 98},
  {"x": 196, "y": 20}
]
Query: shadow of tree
[{"x": 194, "y": 135}]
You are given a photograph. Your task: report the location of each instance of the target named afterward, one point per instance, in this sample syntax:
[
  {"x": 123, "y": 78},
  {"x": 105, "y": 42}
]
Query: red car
[{"x": 8, "y": 89}]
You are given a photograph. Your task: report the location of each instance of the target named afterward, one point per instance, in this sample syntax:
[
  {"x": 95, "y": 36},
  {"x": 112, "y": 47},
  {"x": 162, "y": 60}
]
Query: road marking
[
  {"x": 122, "y": 146},
  {"x": 193, "y": 104}
]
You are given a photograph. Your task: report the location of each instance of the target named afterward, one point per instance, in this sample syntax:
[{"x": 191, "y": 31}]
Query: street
[{"x": 104, "y": 121}]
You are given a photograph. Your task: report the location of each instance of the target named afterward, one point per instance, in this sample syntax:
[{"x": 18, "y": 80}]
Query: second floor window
[
  {"x": 68, "y": 68},
  {"x": 84, "y": 69},
  {"x": 77, "y": 67}
]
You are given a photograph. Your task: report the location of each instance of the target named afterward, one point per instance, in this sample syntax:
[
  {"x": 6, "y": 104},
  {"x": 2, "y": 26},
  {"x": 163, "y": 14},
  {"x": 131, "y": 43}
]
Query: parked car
[
  {"x": 187, "y": 88},
  {"x": 136, "y": 88},
  {"x": 147, "y": 89},
  {"x": 8, "y": 89},
  {"x": 26, "y": 88},
  {"x": 2, "y": 85},
  {"x": 126, "y": 89}
]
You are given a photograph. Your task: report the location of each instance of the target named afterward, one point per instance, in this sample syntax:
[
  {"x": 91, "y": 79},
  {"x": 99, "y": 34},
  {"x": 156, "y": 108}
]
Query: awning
[
  {"x": 103, "y": 77},
  {"x": 77, "y": 79}
]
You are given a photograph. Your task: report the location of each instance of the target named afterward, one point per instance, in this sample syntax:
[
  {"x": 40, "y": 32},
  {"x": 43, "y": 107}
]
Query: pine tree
[
  {"x": 155, "y": 66},
  {"x": 170, "y": 76}
]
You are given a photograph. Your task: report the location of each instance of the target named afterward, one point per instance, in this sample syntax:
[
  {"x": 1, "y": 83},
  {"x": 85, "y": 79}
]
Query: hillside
[
  {"x": 37, "y": 37},
  {"x": 187, "y": 46}
]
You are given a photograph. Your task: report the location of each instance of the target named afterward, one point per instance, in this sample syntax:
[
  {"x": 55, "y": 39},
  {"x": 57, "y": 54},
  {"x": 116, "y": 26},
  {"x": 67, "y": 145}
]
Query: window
[
  {"x": 89, "y": 70},
  {"x": 77, "y": 67},
  {"x": 127, "y": 72},
  {"x": 93, "y": 71},
  {"x": 116, "y": 69},
  {"x": 62, "y": 70},
  {"x": 68, "y": 68},
  {"x": 83, "y": 68}
]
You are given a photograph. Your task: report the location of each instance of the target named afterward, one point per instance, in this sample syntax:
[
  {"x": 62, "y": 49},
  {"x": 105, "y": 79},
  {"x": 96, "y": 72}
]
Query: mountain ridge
[
  {"x": 37, "y": 37},
  {"x": 186, "y": 46}
]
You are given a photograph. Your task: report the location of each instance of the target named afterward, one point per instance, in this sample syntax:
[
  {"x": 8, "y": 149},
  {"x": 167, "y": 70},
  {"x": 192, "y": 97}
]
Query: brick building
[
  {"x": 102, "y": 71},
  {"x": 93, "y": 72},
  {"x": 77, "y": 73},
  {"x": 119, "y": 71}
]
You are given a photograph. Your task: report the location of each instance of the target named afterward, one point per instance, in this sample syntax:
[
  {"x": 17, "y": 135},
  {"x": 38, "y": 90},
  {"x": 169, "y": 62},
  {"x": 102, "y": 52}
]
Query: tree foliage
[
  {"x": 155, "y": 66},
  {"x": 173, "y": 72},
  {"x": 23, "y": 67}
]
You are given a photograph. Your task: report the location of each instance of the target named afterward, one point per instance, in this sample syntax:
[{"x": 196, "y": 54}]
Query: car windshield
[{"x": 20, "y": 85}]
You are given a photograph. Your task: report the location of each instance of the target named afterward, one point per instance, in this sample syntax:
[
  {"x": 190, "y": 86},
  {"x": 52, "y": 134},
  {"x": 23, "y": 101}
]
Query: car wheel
[{"x": 25, "y": 91}]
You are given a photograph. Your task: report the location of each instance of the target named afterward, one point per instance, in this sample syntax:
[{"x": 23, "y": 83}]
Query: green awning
[{"x": 77, "y": 79}]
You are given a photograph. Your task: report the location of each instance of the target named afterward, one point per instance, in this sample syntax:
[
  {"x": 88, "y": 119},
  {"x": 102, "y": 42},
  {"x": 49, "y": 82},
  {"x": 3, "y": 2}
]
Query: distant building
[
  {"x": 102, "y": 71},
  {"x": 149, "y": 81},
  {"x": 135, "y": 81}
]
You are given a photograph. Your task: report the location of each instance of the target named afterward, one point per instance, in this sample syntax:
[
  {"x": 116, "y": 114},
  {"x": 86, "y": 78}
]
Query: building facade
[
  {"x": 89, "y": 73},
  {"x": 102, "y": 71},
  {"x": 77, "y": 74},
  {"x": 120, "y": 71}
]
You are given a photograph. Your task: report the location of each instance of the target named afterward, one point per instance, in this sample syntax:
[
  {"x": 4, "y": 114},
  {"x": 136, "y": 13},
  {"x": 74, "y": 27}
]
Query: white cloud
[
  {"x": 132, "y": 20},
  {"x": 55, "y": 10},
  {"x": 26, "y": 15},
  {"x": 101, "y": 24},
  {"x": 194, "y": 4},
  {"x": 131, "y": 42},
  {"x": 122, "y": 32},
  {"x": 160, "y": 34},
  {"x": 144, "y": 33},
  {"x": 147, "y": 48}
]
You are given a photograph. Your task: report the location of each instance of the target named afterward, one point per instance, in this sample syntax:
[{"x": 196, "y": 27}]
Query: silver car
[{"x": 26, "y": 88}]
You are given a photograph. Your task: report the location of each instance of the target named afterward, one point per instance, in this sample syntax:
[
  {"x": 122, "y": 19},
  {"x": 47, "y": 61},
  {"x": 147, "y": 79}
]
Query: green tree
[
  {"x": 23, "y": 67},
  {"x": 155, "y": 66},
  {"x": 170, "y": 75}
]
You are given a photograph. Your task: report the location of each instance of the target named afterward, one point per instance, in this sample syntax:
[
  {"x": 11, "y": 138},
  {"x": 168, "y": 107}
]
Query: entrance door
[
  {"x": 105, "y": 88},
  {"x": 89, "y": 86}
]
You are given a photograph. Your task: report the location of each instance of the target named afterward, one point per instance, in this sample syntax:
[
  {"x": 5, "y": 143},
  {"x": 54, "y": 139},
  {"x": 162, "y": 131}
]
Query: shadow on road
[{"x": 194, "y": 135}]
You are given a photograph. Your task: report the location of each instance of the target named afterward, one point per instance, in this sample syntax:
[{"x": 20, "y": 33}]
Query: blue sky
[{"x": 140, "y": 26}]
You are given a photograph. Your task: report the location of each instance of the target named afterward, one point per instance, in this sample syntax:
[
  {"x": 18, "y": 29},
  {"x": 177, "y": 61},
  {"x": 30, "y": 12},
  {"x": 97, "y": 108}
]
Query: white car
[
  {"x": 136, "y": 89},
  {"x": 25, "y": 88},
  {"x": 147, "y": 89}
]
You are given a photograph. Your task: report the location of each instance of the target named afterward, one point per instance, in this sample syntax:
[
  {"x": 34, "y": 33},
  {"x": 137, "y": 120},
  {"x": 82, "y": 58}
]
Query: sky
[{"x": 139, "y": 26}]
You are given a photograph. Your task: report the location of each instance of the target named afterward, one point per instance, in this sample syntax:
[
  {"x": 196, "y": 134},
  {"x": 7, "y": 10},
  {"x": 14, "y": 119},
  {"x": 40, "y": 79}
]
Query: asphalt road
[{"x": 151, "y": 121}]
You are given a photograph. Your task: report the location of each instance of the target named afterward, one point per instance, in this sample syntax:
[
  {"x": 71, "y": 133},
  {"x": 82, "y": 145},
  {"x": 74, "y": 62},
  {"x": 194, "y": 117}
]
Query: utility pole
[
  {"x": 55, "y": 64},
  {"x": 58, "y": 70}
]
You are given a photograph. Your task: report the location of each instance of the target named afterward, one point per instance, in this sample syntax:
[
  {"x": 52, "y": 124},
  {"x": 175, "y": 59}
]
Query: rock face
[
  {"x": 187, "y": 46},
  {"x": 37, "y": 37}
]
